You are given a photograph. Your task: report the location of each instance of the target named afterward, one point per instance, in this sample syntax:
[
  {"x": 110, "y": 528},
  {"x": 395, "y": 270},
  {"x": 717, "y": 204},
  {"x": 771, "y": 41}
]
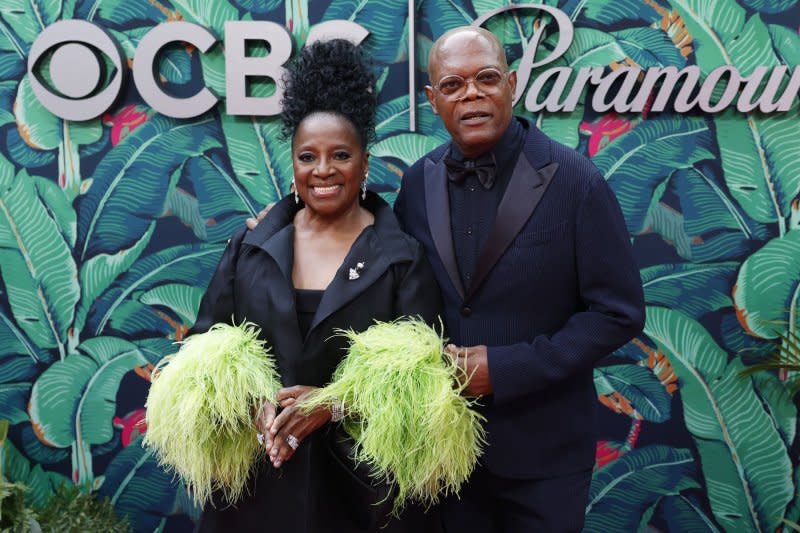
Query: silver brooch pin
[{"x": 354, "y": 272}]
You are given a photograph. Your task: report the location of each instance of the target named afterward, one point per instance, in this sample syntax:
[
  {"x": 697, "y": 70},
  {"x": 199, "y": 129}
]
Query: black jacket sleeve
[
  {"x": 218, "y": 303},
  {"x": 417, "y": 292}
]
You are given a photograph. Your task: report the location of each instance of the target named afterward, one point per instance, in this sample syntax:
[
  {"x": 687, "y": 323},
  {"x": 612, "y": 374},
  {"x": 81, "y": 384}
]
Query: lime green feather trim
[
  {"x": 201, "y": 406},
  {"x": 405, "y": 410}
]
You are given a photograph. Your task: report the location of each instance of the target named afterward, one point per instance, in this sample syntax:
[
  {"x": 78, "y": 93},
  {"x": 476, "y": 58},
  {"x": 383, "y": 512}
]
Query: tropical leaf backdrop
[{"x": 110, "y": 230}]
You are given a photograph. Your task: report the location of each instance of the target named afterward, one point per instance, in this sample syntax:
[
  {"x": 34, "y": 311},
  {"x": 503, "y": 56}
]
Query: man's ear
[
  {"x": 431, "y": 99},
  {"x": 512, "y": 82}
]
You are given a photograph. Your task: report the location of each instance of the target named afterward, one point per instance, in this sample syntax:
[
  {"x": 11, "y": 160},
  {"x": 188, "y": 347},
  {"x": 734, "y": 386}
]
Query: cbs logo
[{"x": 80, "y": 57}]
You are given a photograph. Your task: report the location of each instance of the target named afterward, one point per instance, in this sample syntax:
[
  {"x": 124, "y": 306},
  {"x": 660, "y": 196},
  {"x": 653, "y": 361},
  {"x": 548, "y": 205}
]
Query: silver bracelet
[{"x": 337, "y": 412}]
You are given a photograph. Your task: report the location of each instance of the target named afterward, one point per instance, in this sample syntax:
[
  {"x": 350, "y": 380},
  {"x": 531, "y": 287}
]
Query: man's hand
[
  {"x": 290, "y": 428},
  {"x": 473, "y": 360},
  {"x": 252, "y": 222}
]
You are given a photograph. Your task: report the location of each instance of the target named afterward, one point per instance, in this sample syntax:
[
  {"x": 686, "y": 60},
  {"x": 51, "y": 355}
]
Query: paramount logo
[
  {"x": 73, "y": 91},
  {"x": 629, "y": 89}
]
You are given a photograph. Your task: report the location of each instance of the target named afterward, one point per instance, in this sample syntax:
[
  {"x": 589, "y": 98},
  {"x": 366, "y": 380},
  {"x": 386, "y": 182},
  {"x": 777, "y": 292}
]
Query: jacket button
[{"x": 466, "y": 311}]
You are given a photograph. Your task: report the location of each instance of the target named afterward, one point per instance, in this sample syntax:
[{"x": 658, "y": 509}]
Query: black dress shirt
[{"x": 473, "y": 208}]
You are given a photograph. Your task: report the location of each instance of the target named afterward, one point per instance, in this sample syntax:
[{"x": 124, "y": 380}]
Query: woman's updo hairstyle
[{"x": 334, "y": 76}]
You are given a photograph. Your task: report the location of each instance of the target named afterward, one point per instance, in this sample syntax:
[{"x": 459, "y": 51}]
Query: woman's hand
[
  {"x": 264, "y": 418},
  {"x": 290, "y": 428}
]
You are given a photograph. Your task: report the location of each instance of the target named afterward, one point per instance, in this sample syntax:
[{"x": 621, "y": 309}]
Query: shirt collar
[{"x": 506, "y": 149}]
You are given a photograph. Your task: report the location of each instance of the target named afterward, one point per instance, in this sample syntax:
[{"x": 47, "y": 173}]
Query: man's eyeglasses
[{"x": 487, "y": 81}]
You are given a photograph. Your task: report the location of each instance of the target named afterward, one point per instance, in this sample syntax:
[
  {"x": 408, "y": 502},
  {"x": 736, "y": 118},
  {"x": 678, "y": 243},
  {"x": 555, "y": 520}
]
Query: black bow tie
[{"x": 483, "y": 167}]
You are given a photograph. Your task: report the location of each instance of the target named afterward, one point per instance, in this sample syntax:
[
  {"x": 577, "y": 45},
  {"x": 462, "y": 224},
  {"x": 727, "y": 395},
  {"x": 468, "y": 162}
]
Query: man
[{"x": 535, "y": 267}]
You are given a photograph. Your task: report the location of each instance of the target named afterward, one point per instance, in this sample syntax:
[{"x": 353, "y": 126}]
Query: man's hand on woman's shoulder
[{"x": 252, "y": 222}]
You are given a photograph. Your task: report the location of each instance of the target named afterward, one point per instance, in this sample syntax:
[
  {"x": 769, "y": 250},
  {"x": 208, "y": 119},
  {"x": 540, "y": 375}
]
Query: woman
[{"x": 331, "y": 256}]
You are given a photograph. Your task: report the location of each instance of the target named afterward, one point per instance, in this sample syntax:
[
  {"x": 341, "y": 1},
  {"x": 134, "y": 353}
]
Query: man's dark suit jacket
[{"x": 555, "y": 289}]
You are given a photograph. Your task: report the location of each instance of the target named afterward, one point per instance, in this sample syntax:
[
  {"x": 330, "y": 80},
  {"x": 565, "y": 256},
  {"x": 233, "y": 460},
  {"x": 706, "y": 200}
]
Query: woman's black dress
[{"x": 253, "y": 282}]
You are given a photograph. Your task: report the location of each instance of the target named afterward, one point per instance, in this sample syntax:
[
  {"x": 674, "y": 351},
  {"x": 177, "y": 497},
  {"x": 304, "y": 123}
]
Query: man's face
[{"x": 477, "y": 118}]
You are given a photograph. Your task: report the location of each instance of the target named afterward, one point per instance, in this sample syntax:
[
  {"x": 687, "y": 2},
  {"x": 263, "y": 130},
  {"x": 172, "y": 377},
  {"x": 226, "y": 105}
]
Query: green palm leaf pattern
[
  {"x": 712, "y": 25},
  {"x": 42, "y": 130},
  {"x": 760, "y": 169},
  {"x": 649, "y": 47},
  {"x": 771, "y": 6},
  {"x": 745, "y": 462},
  {"x": 408, "y": 147},
  {"x": 786, "y": 45},
  {"x": 116, "y": 217},
  {"x": 139, "y": 488},
  {"x": 212, "y": 15},
  {"x": 8, "y": 89},
  {"x": 608, "y": 13},
  {"x": 763, "y": 144},
  {"x": 221, "y": 203},
  {"x": 182, "y": 298},
  {"x": 624, "y": 491},
  {"x": 74, "y": 400},
  {"x": 12, "y": 53},
  {"x": 793, "y": 511},
  {"x": 60, "y": 209},
  {"x": 638, "y": 162},
  {"x": 36, "y": 262},
  {"x": 99, "y": 272},
  {"x": 115, "y": 13},
  {"x": 180, "y": 264},
  {"x": 29, "y": 17},
  {"x": 16, "y": 375},
  {"x": 639, "y": 386},
  {"x": 694, "y": 289},
  {"x": 183, "y": 205},
  {"x": 775, "y": 397},
  {"x": 260, "y": 157},
  {"x": 296, "y": 14},
  {"x": 14, "y": 341},
  {"x": 133, "y": 318},
  {"x": 589, "y": 48},
  {"x": 714, "y": 225},
  {"x": 684, "y": 513},
  {"x": 155, "y": 349},
  {"x": 259, "y": 7},
  {"x": 443, "y": 15},
  {"x": 393, "y": 117},
  {"x": 512, "y": 28},
  {"x": 767, "y": 292},
  {"x": 39, "y": 452},
  {"x": 386, "y": 23},
  {"x": 150, "y": 153},
  {"x": 174, "y": 63},
  {"x": 41, "y": 484}
]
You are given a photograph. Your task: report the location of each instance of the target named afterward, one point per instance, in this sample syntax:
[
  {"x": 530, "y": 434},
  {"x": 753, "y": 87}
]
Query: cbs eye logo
[{"x": 70, "y": 50}]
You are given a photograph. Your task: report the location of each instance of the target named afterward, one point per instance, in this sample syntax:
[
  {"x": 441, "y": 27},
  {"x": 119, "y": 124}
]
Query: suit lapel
[
  {"x": 281, "y": 247},
  {"x": 437, "y": 206},
  {"x": 277, "y": 242},
  {"x": 344, "y": 288},
  {"x": 523, "y": 194}
]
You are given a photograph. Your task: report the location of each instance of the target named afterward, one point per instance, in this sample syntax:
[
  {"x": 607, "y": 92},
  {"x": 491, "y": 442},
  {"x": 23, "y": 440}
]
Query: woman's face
[{"x": 329, "y": 163}]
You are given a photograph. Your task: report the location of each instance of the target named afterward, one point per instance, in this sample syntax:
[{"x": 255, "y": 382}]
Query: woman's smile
[{"x": 327, "y": 191}]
